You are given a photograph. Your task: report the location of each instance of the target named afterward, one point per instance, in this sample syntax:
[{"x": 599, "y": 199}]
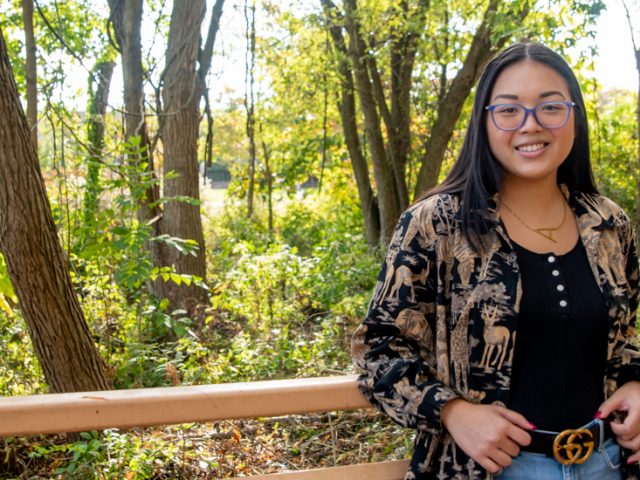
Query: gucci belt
[{"x": 572, "y": 446}]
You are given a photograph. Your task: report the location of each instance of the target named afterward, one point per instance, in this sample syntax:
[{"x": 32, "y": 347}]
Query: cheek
[
  {"x": 567, "y": 138},
  {"x": 499, "y": 141}
]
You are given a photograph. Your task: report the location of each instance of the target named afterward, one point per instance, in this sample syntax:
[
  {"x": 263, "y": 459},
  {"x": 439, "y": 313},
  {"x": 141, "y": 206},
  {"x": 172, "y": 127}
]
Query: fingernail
[
  {"x": 598, "y": 415},
  {"x": 630, "y": 462},
  {"x": 532, "y": 426}
]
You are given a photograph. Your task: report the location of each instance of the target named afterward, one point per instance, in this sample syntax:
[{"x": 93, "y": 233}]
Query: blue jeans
[{"x": 603, "y": 464}]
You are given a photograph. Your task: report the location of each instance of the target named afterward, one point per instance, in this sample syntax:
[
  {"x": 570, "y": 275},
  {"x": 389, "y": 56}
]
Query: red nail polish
[
  {"x": 630, "y": 462},
  {"x": 533, "y": 427},
  {"x": 598, "y": 415}
]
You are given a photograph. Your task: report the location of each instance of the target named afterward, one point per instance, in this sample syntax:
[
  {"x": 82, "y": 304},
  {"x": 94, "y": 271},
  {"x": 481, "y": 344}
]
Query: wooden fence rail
[{"x": 84, "y": 411}]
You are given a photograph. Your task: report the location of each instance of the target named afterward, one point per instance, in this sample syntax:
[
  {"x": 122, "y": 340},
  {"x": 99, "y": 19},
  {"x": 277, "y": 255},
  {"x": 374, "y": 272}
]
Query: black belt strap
[{"x": 542, "y": 441}]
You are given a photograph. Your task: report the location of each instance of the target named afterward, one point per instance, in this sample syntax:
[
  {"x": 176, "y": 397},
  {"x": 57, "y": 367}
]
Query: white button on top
[
  {"x": 555, "y": 273},
  {"x": 563, "y": 303},
  {"x": 551, "y": 259}
]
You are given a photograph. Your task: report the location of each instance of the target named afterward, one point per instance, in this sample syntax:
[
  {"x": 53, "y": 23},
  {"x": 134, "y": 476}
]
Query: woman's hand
[
  {"x": 489, "y": 434},
  {"x": 627, "y": 400}
]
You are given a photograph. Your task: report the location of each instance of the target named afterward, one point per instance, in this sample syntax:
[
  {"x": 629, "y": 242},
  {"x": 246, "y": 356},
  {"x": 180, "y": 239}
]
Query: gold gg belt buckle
[{"x": 573, "y": 446}]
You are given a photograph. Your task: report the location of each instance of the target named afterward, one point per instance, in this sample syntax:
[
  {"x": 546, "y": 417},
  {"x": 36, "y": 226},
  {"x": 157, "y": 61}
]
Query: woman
[{"x": 500, "y": 325}]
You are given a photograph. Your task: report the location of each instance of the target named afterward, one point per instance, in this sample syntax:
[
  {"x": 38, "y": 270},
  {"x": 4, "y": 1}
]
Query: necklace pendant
[{"x": 548, "y": 235}]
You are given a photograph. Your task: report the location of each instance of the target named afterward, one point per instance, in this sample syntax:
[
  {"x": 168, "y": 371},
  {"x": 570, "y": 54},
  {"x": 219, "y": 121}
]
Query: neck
[{"x": 534, "y": 199}]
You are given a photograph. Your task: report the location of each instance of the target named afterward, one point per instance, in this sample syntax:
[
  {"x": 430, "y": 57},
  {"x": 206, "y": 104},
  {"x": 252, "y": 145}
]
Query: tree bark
[
  {"x": 204, "y": 59},
  {"x": 382, "y": 170},
  {"x": 179, "y": 125},
  {"x": 389, "y": 154},
  {"x": 126, "y": 18},
  {"x": 482, "y": 48},
  {"x": 636, "y": 51},
  {"x": 348, "y": 114},
  {"x": 31, "y": 71},
  {"x": 638, "y": 137},
  {"x": 102, "y": 74},
  {"x": 34, "y": 257},
  {"x": 404, "y": 47},
  {"x": 249, "y": 102}
]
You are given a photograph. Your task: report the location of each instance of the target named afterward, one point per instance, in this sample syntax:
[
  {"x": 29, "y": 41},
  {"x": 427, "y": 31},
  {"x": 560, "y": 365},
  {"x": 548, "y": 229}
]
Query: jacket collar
[{"x": 589, "y": 216}]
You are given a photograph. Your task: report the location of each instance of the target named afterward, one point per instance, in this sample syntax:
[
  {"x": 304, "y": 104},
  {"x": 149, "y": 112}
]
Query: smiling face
[{"x": 530, "y": 152}]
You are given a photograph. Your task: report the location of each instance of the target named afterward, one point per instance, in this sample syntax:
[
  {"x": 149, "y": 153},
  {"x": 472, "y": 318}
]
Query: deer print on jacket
[
  {"x": 495, "y": 337},
  {"x": 403, "y": 276}
]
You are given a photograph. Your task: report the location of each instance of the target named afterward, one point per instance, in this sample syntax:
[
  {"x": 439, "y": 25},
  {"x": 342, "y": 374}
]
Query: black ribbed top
[{"x": 561, "y": 344}]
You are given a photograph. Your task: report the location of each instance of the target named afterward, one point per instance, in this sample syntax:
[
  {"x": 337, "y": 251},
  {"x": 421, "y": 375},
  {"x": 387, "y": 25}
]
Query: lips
[{"x": 531, "y": 147}]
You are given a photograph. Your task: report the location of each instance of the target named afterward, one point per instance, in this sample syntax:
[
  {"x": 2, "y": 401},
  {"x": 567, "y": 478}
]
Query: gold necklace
[{"x": 546, "y": 232}]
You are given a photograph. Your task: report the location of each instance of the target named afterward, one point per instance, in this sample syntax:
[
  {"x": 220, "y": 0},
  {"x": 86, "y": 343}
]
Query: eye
[
  {"x": 552, "y": 107},
  {"x": 507, "y": 109}
]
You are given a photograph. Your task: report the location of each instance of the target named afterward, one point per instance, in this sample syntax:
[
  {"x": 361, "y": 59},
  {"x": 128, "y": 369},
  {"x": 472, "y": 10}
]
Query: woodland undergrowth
[{"x": 283, "y": 304}]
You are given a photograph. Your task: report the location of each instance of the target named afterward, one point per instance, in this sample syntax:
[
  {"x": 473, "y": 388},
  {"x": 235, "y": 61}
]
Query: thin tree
[
  {"x": 636, "y": 51},
  {"x": 349, "y": 117},
  {"x": 249, "y": 98},
  {"x": 35, "y": 261},
  {"x": 126, "y": 19},
  {"x": 385, "y": 105},
  {"x": 182, "y": 90},
  {"x": 99, "y": 98},
  {"x": 204, "y": 59},
  {"x": 31, "y": 70}
]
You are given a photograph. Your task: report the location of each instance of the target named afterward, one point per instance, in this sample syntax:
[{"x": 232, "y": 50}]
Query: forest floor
[
  {"x": 313, "y": 318},
  {"x": 217, "y": 450}
]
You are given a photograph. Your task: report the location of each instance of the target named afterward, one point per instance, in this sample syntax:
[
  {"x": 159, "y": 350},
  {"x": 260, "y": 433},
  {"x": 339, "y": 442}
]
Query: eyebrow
[{"x": 542, "y": 95}]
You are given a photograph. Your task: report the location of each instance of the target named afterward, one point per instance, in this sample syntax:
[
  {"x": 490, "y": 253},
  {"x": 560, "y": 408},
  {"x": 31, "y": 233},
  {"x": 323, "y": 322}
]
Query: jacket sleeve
[
  {"x": 395, "y": 344},
  {"x": 630, "y": 360}
]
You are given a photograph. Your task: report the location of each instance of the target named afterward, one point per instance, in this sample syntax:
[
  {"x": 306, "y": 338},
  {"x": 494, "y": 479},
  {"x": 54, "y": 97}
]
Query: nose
[{"x": 530, "y": 123}]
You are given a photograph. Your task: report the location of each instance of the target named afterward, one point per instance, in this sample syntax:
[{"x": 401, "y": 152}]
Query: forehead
[{"x": 529, "y": 80}]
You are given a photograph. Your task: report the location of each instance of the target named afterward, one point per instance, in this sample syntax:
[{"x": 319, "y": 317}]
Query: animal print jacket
[{"x": 442, "y": 321}]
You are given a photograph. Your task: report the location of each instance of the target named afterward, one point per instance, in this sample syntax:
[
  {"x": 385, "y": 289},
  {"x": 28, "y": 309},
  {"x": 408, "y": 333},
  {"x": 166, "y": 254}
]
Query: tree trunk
[
  {"x": 181, "y": 95},
  {"x": 126, "y": 17},
  {"x": 249, "y": 102},
  {"x": 269, "y": 178},
  {"x": 404, "y": 47},
  {"x": 638, "y": 139},
  {"x": 102, "y": 74},
  {"x": 204, "y": 59},
  {"x": 636, "y": 51},
  {"x": 31, "y": 71},
  {"x": 347, "y": 106},
  {"x": 389, "y": 154},
  {"x": 34, "y": 257},
  {"x": 481, "y": 50},
  {"x": 387, "y": 192}
]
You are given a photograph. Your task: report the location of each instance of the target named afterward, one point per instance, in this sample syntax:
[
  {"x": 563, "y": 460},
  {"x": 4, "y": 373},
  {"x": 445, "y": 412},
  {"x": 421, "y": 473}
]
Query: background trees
[
  {"x": 358, "y": 107},
  {"x": 430, "y": 35},
  {"x": 35, "y": 262}
]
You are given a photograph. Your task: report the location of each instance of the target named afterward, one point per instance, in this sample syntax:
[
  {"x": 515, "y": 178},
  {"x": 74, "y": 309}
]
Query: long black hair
[{"x": 476, "y": 174}]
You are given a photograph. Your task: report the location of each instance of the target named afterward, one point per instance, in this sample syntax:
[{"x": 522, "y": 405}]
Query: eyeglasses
[{"x": 511, "y": 116}]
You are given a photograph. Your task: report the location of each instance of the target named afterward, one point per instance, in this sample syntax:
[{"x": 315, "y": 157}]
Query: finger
[
  {"x": 489, "y": 465},
  {"x": 520, "y": 437},
  {"x": 624, "y": 443},
  {"x": 628, "y": 429},
  {"x": 609, "y": 406},
  {"x": 632, "y": 423},
  {"x": 632, "y": 443},
  {"x": 516, "y": 418},
  {"x": 501, "y": 458},
  {"x": 619, "y": 430},
  {"x": 635, "y": 458},
  {"x": 510, "y": 447}
]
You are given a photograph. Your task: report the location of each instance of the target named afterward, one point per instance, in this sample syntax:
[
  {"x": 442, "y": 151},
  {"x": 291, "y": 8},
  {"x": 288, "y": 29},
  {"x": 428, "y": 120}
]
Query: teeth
[{"x": 531, "y": 148}]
